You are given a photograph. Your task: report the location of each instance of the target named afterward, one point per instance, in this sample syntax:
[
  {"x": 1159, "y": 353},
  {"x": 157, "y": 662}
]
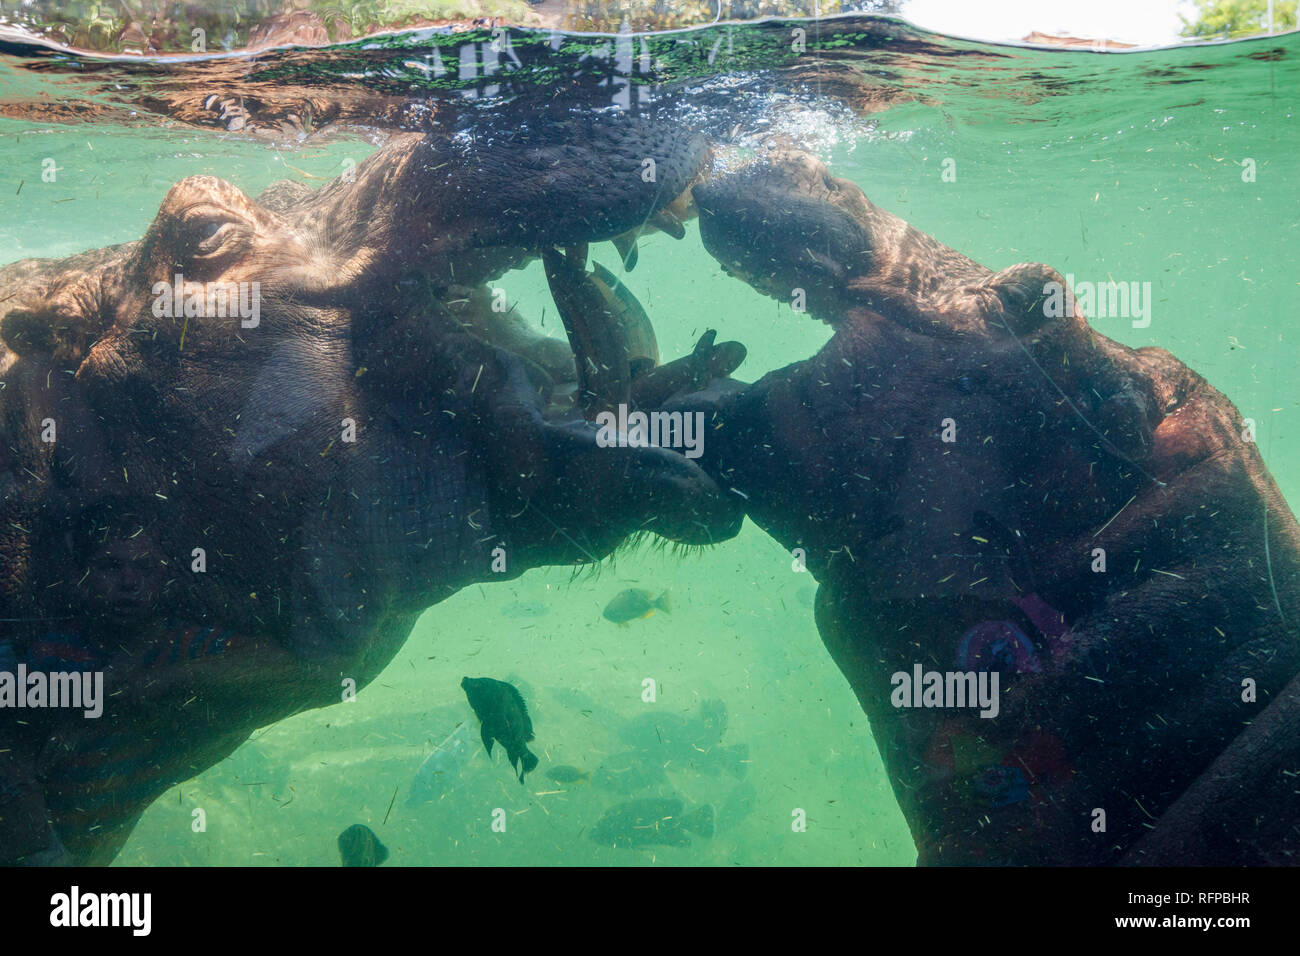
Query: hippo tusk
[
  {"x": 626, "y": 246},
  {"x": 666, "y": 221},
  {"x": 669, "y": 219}
]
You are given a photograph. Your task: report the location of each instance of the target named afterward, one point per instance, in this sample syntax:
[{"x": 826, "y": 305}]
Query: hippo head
[
  {"x": 925, "y": 415},
  {"x": 306, "y": 403}
]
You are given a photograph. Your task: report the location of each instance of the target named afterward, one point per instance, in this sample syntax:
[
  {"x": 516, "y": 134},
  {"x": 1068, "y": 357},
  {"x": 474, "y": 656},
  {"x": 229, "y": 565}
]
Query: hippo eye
[
  {"x": 965, "y": 385},
  {"x": 205, "y": 232},
  {"x": 210, "y": 235}
]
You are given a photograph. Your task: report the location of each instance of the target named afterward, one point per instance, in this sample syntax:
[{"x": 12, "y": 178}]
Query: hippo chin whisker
[
  {"x": 564, "y": 534},
  {"x": 1268, "y": 563}
]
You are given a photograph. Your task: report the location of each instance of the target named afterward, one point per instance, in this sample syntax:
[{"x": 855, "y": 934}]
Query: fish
[
  {"x": 632, "y": 771},
  {"x": 358, "y": 846},
  {"x": 675, "y": 742},
  {"x": 662, "y": 821},
  {"x": 633, "y": 604},
  {"x": 503, "y": 715},
  {"x": 567, "y": 774},
  {"x": 440, "y": 772}
]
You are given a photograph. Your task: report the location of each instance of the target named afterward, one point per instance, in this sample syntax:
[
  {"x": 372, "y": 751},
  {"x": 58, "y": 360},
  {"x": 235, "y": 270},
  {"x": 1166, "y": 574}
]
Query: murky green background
[{"x": 1124, "y": 167}]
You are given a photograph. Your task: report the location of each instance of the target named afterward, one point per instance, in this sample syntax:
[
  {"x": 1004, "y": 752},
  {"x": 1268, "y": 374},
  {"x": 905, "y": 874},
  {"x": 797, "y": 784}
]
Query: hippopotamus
[
  {"x": 1054, "y": 569},
  {"x": 243, "y": 454}
]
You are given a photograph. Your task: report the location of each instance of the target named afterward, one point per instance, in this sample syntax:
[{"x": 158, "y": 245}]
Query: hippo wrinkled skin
[
  {"x": 241, "y": 455},
  {"x": 983, "y": 486}
]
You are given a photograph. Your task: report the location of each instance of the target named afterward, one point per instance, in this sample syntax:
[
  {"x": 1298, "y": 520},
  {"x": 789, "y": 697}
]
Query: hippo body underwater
[
  {"x": 970, "y": 556},
  {"x": 237, "y": 513},
  {"x": 985, "y": 487}
]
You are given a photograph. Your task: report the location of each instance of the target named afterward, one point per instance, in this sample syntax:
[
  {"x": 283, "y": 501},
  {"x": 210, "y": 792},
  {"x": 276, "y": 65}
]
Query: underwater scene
[{"x": 806, "y": 441}]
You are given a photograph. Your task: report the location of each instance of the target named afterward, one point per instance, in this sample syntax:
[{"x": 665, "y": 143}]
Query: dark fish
[
  {"x": 662, "y": 821},
  {"x": 635, "y": 603},
  {"x": 358, "y": 846},
  {"x": 567, "y": 774},
  {"x": 500, "y": 709},
  {"x": 630, "y": 772}
]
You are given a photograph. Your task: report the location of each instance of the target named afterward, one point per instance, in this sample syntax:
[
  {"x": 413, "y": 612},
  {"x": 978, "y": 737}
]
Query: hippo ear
[
  {"x": 1026, "y": 297},
  {"x": 59, "y": 308},
  {"x": 28, "y": 332},
  {"x": 47, "y": 330}
]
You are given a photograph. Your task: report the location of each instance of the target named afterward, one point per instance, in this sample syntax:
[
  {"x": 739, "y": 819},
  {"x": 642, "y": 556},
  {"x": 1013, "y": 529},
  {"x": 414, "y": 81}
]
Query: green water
[{"x": 1124, "y": 167}]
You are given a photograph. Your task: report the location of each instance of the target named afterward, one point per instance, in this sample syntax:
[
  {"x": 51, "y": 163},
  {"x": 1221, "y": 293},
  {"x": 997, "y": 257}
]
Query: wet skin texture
[
  {"x": 1120, "y": 691},
  {"x": 183, "y": 433}
]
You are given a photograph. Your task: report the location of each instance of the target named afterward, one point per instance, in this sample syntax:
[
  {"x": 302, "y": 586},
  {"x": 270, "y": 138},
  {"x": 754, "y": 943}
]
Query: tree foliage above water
[
  {"x": 1239, "y": 18},
  {"x": 672, "y": 14},
  {"x": 167, "y": 26}
]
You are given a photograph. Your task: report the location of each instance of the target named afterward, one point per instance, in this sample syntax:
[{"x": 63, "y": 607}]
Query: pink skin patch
[
  {"x": 997, "y": 646},
  {"x": 1049, "y": 621}
]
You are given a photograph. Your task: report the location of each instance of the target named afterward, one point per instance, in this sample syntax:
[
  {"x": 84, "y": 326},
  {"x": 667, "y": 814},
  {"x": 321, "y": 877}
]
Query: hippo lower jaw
[{"x": 660, "y": 491}]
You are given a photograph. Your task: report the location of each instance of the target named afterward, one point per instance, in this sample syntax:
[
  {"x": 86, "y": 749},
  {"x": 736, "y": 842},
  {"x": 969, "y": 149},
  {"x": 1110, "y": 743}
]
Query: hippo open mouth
[{"x": 334, "y": 303}]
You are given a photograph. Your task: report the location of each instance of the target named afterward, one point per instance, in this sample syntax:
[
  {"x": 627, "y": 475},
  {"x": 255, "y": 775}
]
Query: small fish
[
  {"x": 358, "y": 846},
  {"x": 633, "y": 604},
  {"x": 806, "y": 595},
  {"x": 567, "y": 774},
  {"x": 651, "y": 821},
  {"x": 501, "y": 710}
]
